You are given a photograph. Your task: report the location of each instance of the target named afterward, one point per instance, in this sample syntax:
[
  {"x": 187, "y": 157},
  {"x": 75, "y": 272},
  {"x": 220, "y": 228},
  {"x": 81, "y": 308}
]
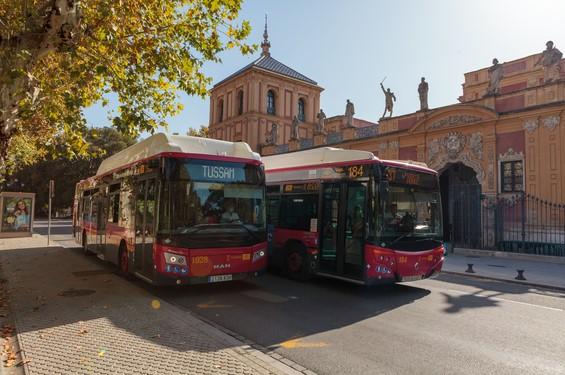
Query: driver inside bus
[
  {"x": 230, "y": 216},
  {"x": 391, "y": 216}
]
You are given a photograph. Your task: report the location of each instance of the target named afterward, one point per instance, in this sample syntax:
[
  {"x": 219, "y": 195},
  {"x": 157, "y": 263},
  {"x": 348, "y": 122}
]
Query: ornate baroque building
[
  {"x": 245, "y": 105},
  {"x": 506, "y": 134}
]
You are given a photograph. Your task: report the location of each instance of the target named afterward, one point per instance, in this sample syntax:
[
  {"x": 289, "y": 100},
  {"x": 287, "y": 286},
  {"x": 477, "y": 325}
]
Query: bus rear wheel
[{"x": 296, "y": 264}]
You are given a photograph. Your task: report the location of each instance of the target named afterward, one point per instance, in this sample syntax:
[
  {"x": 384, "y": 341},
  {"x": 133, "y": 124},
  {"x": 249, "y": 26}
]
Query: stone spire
[{"x": 266, "y": 44}]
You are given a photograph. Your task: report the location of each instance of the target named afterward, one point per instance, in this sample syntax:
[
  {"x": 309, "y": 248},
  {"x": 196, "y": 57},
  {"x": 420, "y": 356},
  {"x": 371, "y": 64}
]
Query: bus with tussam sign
[
  {"x": 348, "y": 215},
  {"x": 176, "y": 210}
]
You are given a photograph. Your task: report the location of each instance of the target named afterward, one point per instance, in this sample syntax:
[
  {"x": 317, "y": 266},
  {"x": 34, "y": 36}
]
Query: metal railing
[{"x": 522, "y": 223}]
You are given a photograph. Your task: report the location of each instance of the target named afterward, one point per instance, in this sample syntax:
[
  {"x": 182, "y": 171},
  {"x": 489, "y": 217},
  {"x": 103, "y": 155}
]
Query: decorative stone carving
[
  {"x": 454, "y": 144},
  {"x": 390, "y": 98},
  {"x": 531, "y": 125},
  {"x": 496, "y": 73},
  {"x": 511, "y": 155},
  {"x": 476, "y": 144},
  {"x": 294, "y": 128},
  {"x": 441, "y": 163},
  {"x": 490, "y": 173},
  {"x": 551, "y": 122},
  {"x": 349, "y": 112},
  {"x": 393, "y": 144},
  {"x": 321, "y": 124},
  {"x": 434, "y": 148},
  {"x": 272, "y": 136},
  {"x": 423, "y": 88},
  {"x": 550, "y": 59},
  {"x": 454, "y": 120}
]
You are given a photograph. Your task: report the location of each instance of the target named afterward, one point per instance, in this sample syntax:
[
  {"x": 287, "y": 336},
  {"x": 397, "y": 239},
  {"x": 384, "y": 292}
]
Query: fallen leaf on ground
[{"x": 21, "y": 363}]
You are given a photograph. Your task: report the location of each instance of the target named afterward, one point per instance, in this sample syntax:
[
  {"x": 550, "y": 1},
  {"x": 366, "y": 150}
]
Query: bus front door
[
  {"x": 343, "y": 217},
  {"x": 101, "y": 220},
  {"x": 145, "y": 195}
]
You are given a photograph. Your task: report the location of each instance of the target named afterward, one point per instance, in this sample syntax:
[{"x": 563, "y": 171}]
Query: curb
[
  {"x": 526, "y": 283},
  {"x": 253, "y": 348},
  {"x": 509, "y": 255}
]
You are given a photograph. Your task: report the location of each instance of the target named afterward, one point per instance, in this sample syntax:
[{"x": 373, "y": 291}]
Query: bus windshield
[
  {"x": 410, "y": 215},
  {"x": 213, "y": 205}
]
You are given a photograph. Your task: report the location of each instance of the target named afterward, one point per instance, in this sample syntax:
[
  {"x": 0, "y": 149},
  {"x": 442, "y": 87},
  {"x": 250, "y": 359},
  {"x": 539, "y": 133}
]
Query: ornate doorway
[{"x": 461, "y": 200}]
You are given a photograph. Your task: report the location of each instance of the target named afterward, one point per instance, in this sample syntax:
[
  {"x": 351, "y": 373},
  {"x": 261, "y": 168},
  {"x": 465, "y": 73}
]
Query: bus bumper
[{"x": 164, "y": 280}]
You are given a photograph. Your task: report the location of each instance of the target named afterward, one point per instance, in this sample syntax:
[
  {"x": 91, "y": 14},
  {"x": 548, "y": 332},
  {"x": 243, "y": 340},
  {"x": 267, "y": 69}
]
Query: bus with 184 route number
[
  {"x": 176, "y": 210},
  {"x": 348, "y": 215}
]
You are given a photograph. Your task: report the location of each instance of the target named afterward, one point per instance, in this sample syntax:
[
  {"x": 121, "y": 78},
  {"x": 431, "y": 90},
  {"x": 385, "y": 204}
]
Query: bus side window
[
  {"x": 296, "y": 210},
  {"x": 273, "y": 208},
  {"x": 114, "y": 214}
]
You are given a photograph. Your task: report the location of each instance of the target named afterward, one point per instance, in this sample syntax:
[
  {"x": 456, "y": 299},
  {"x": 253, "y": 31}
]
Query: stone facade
[{"x": 524, "y": 120}]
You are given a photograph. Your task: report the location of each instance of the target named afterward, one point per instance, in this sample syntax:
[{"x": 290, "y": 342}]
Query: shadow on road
[{"x": 272, "y": 309}]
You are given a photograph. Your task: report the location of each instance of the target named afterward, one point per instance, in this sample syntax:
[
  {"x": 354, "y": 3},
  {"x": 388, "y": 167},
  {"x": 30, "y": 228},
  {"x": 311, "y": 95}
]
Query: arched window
[
  {"x": 240, "y": 102},
  {"x": 301, "y": 111},
  {"x": 221, "y": 110},
  {"x": 271, "y": 103}
]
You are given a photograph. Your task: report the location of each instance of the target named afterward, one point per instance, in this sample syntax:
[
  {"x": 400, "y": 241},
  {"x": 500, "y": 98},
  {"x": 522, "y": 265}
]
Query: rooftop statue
[{"x": 550, "y": 60}]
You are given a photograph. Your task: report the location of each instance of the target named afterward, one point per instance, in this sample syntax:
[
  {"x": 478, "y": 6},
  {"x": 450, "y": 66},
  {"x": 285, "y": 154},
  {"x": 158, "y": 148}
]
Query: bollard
[
  {"x": 470, "y": 268},
  {"x": 520, "y": 275}
]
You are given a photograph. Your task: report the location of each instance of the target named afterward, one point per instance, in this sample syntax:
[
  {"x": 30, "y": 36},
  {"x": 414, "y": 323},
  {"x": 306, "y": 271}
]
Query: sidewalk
[
  {"x": 541, "y": 274},
  {"x": 75, "y": 316}
]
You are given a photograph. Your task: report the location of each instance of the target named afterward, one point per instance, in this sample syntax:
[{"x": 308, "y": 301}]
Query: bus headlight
[
  {"x": 176, "y": 259},
  {"x": 258, "y": 254}
]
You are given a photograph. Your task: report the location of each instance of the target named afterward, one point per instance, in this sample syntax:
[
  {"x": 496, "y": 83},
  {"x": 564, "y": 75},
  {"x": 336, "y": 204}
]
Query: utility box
[{"x": 16, "y": 214}]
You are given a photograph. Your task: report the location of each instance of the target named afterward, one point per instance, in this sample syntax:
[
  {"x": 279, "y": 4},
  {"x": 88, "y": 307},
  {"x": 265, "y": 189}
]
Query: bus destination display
[{"x": 399, "y": 176}]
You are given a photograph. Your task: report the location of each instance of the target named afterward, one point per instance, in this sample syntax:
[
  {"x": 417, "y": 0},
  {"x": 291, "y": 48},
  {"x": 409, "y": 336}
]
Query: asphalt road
[{"x": 449, "y": 325}]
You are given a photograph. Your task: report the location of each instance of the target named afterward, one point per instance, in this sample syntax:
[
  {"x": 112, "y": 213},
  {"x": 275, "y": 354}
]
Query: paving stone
[{"x": 114, "y": 330}]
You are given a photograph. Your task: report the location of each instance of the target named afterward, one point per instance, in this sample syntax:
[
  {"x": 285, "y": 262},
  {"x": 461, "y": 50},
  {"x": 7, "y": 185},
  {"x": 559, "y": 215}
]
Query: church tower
[{"x": 245, "y": 105}]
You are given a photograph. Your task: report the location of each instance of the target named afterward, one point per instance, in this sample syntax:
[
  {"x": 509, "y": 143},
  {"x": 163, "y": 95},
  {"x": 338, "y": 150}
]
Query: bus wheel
[
  {"x": 296, "y": 264},
  {"x": 123, "y": 262}
]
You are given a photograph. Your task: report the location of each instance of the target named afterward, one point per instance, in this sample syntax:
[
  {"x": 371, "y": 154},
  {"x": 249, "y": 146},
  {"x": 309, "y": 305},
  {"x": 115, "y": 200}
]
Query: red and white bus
[
  {"x": 177, "y": 210},
  {"x": 346, "y": 214}
]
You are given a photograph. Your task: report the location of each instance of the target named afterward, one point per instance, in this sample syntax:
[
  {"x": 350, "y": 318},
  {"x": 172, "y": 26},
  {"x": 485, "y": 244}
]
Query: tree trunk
[{"x": 59, "y": 28}]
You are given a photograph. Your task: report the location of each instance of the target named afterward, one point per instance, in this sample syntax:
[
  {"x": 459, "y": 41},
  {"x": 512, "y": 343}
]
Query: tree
[
  {"x": 60, "y": 56},
  {"x": 66, "y": 172},
  {"x": 202, "y": 132}
]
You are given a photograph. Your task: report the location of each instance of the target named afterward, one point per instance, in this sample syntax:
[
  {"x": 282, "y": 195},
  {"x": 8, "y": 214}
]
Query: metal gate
[{"x": 464, "y": 210}]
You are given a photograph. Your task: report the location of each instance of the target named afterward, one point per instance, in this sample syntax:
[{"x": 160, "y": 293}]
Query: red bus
[
  {"x": 346, "y": 214},
  {"x": 176, "y": 210}
]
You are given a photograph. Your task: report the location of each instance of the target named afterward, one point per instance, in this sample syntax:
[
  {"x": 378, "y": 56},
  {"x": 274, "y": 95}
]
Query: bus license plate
[
  {"x": 412, "y": 278},
  {"x": 219, "y": 278}
]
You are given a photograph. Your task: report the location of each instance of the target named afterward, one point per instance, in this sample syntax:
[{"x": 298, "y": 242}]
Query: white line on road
[{"x": 507, "y": 300}]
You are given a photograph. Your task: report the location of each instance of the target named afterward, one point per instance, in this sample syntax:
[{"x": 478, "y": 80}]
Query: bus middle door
[{"x": 343, "y": 225}]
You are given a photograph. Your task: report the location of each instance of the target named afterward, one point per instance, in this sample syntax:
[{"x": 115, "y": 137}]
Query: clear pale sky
[{"x": 348, "y": 47}]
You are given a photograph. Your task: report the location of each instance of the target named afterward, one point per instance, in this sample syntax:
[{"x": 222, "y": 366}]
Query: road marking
[
  {"x": 265, "y": 296},
  {"x": 211, "y": 305},
  {"x": 507, "y": 300},
  {"x": 298, "y": 343}
]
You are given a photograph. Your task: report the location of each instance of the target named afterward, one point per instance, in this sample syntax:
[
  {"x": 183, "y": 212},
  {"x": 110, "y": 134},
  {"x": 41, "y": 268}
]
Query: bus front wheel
[{"x": 296, "y": 264}]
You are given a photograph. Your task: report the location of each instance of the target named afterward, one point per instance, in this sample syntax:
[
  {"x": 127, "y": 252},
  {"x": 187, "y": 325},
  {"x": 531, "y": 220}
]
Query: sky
[{"x": 348, "y": 47}]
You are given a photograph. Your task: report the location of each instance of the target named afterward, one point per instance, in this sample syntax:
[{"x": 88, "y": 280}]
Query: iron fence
[{"x": 520, "y": 223}]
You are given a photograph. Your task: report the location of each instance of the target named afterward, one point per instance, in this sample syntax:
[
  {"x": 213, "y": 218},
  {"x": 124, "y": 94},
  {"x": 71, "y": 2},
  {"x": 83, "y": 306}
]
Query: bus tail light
[{"x": 259, "y": 254}]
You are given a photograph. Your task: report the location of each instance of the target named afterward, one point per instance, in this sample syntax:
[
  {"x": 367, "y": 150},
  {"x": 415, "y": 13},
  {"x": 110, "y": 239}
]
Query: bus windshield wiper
[{"x": 401, "y": 237}]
